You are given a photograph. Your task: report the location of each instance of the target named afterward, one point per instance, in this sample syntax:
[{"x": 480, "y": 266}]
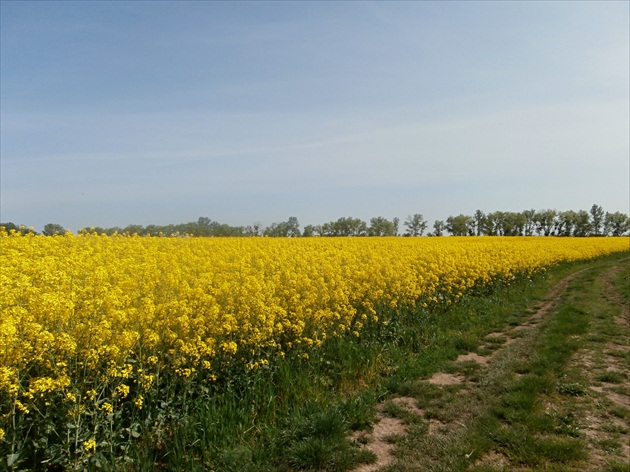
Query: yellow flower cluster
[{"x": 96, "y": 320}]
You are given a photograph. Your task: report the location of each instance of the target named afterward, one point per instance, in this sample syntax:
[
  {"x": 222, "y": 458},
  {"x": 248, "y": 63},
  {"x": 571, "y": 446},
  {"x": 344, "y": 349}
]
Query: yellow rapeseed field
[{"x": 89, "y": 323}]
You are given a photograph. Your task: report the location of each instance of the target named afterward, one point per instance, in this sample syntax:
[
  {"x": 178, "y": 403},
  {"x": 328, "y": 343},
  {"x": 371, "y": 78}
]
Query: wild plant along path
[{"x": 552, "y": 391}]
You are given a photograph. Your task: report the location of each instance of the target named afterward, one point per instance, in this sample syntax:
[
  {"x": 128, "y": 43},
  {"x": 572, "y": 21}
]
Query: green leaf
[{"x": 11, "y": 458}]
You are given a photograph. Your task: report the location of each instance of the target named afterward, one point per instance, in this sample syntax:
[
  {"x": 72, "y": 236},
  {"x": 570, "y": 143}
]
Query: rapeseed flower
[{"x": 109, "y": 319}]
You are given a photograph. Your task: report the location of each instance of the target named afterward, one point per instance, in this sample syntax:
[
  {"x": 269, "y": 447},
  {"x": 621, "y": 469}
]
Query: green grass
[
  {"x": 618, "y": 466},
  {"x": 612, "y": 377},
  {"x": 619, "y": 411},
  {"x": 526, "y": 407}
]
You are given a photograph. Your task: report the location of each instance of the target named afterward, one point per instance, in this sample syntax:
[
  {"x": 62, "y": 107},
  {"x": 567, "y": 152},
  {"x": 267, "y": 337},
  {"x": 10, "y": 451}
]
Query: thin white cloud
[
  {"x": 376, "y": 104},
  {"x": 514, "y": 143}
]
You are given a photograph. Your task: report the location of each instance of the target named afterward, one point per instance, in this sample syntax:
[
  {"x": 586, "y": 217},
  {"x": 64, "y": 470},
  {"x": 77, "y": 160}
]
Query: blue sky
[{"x": 115, "y": 113}]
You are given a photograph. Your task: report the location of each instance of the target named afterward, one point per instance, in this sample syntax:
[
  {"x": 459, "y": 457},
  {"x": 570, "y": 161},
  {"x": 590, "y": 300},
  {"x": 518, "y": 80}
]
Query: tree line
[{"x": 595, "y": 222}]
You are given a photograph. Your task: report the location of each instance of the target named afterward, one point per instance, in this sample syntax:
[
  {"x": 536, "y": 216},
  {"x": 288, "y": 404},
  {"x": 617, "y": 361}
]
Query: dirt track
[{"x": 380, "y": 442}]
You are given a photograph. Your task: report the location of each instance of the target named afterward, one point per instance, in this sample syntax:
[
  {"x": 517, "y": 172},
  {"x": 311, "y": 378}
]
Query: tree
[
  {"x": 255, "y": 229},
  {"x": 345, "y": 226},
  {"x": 285, "y": 229},
  {"x": 493, "y": 224},
  {"x": 597, "y": 220},
  {"x": 223, "y": 230},
  {"x": 530, "y": 222},
  {"x": 309, "y": 230},
  {"x": 479, "y": 221},
  {"x": 460, "y": 225},
  {"x": 514, "y": 224},
  {"x": 505, "y": 223},
  {"x": 616, "y": 224},
  {"x": 415, "y": 224},
  {"x": 545, "y": 220},
  {"x": 8, "y": 227},
  {"x": 204, "y": 221},
  {"x": 565, "y": 223},
  {"x": 134, "y": 229},
  {"x": 203, "y": 226},
  {"x": 93, "y": 230},
  {"x": 353, "y": 226},
  {"x": 380, "y": 226},
  {"x": 52, "y": 229},
  {"x": 275, "y": 230},
  {"x": 328, "y": 229},
  {"x": 438, "y": 228},
  {"x": 293, "y": 227},
  {"x": 582, "y": 224}
]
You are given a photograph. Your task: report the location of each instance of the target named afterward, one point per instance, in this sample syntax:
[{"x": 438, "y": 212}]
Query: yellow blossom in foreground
[
  {"x": 90, "y": 317},
  {"x": 139, "y": 402},
  {"x": 122, "y": 391},
  {"x": 89, "y": 445}
]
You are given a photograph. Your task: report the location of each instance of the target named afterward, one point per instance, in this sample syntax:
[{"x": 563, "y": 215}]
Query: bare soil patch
[
  {"x": 386, "y": 427},
  {"x": 473, "y": 356},
  {"x": 618, "y": 399},
  {"x": 442, "y": 378},
  {"x": 378, "y": 444},
  {"x": 592, "y": 423},
  {"x": 408, "y": 404}
]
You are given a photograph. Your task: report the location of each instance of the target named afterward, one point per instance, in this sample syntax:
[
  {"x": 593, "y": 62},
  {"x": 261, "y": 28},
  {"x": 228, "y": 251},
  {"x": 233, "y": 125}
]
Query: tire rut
[{"x": 385, "y": 427}]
